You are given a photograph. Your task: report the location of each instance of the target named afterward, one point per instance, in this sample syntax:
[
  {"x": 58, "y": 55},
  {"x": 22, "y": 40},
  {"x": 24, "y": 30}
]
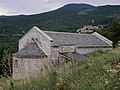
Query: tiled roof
[
  {"x": 81, "y": 40},
  {"x": 74, "y": 56},
  {"x": 30, "y": 51}
]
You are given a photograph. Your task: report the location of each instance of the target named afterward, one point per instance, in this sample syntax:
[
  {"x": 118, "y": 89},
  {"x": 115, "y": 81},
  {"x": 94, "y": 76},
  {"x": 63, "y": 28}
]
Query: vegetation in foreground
[
  {"x": 101, "y": 72},
  {"x": 6, "y": 60}
]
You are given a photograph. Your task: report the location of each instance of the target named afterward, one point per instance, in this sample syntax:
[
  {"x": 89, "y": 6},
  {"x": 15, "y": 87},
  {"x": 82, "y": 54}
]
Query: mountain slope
[
  {"x": 102, "y": 13},
  {"x": 67, "y": 18},
  {"x": 75, "y": 7},
  {"x": 46, "y": 20}
]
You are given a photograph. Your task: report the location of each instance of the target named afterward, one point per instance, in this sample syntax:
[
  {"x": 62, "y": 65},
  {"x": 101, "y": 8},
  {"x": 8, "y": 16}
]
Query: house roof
[
  {"x": 81, "y": 40},
  {"x": 30, "y": 51},
  {"x": 74, "y": 56},
  {"x": 39, "y": 31}
]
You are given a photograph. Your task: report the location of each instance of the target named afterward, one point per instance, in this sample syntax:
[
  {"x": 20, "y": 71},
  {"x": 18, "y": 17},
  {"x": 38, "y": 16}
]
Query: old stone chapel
[{"x": 38, "y": 49}]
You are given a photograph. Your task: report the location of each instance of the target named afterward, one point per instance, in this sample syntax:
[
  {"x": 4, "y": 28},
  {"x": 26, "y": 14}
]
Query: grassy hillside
[
  {"x": 100, "y": 72},
  {"x": 67, "y": 18},
  {"x": 46, "y": 20}
]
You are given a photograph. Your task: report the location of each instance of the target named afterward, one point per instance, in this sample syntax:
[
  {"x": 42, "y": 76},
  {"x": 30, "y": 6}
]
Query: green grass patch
[{"x": 98, "y": 73}]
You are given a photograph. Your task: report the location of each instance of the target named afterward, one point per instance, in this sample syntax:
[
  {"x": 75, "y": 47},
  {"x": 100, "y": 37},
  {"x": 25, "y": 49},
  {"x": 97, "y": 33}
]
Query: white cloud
[
  {"x": 5, "y": 11},
  {"x": 29, "y": 6},
  {"x": 39, "y": 6}
]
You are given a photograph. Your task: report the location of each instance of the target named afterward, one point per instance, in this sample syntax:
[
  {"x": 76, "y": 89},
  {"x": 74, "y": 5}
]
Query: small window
[
  {"x": 33, "y": 39},
  {"x": 16, "y": 64},
  {"x": 41, "y": 69},
  {"x": 36, "y": 39},
  {"x": 46, "y": 67},
  {"x": 42, "y": 56},
  {"x": 55, "y": 46}
]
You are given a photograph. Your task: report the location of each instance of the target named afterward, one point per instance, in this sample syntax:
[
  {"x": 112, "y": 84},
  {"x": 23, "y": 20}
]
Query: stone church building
[{"x": 38, "y": 49}]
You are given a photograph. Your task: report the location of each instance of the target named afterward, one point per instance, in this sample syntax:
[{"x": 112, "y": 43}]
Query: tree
[
  {"x": 6, "y": 60},
  {"x": 7, "y": 63},
  {"x": 115, "y": 29},
  {"x": 112, "y": 32}
]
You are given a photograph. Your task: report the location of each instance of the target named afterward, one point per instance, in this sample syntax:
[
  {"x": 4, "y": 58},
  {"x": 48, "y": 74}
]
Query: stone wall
[
  {"x": 63, "y": 49},
  {"x": 38, "y": 36},
  {"x": 54, "y": 53},
  {"x": 26, "y": 67},
  {"x": 67, "y": 48},
  {"x": 60, "y": 49},
  {"x": 89, "y": 50}
]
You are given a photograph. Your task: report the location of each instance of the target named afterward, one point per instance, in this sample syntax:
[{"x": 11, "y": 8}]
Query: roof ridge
[
  {"x": 40, "y": 31},
  {"x": 65, "y": 33},
  {"x": 43, "y": 33}
]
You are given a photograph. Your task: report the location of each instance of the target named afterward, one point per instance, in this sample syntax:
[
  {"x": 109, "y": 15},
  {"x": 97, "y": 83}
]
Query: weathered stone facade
[
  {"x": 38, "y": 36},
  {"x": 28, "y": 67},
  {"x": 38, "y": 49},
  {"x": 89, "y": 50}
]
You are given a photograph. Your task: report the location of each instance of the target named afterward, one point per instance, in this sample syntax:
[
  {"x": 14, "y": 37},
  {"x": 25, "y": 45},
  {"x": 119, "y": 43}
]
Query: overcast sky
[{"x": 13, "y": 7}]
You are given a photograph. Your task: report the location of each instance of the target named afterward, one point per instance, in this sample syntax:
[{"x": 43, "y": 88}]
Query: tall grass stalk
[{"x": 93, "y": 74}]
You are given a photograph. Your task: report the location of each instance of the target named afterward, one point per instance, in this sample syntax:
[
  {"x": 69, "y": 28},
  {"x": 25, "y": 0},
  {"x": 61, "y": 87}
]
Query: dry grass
[{"x": 99, "y": 73}]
